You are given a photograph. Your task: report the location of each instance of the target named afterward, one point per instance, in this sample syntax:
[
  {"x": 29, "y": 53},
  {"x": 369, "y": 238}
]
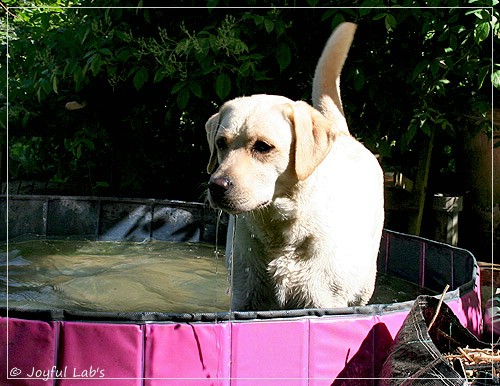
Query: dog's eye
[
  {"x": 262, "y": 147},
  {"x": 221, "y": 144}
]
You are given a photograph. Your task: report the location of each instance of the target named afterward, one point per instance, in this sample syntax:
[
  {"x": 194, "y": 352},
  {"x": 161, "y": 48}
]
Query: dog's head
[{"x": 263, "y": 146}]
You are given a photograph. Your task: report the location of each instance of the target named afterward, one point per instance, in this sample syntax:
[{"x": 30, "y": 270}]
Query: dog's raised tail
[{"x": 326, "y": 82}]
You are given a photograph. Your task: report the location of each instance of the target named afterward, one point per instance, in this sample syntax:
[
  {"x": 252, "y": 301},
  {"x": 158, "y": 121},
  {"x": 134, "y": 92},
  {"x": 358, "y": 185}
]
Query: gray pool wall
[{"x": 108, "y": 219}]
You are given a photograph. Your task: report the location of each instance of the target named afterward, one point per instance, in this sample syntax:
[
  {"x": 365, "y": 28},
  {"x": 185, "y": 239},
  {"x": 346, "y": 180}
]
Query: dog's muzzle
[
  {"x": 218, "y": 188},
  {"x": 221, "y": 195}
]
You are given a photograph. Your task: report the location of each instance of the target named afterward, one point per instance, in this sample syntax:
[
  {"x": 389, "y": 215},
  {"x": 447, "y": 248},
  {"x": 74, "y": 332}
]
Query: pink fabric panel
[
  {"x": 392, "y": 321},
  {"x": 315, "y": 351},
  {"x": 30, "y": 351},
  {"x": 341, "y": 347},
  {"x": 101, "y": 351},
  {"x": 195, "y": 354},
  {"x": 270, "y": 353},
  {"x": 468, "y": 310}
]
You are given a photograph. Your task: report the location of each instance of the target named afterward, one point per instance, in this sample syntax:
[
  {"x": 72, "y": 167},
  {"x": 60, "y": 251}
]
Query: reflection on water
[{"x": 124, "y": 276}]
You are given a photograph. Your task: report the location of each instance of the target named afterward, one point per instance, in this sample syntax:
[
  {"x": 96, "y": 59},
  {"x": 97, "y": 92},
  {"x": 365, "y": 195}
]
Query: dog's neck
[{"x": 277, "y": 225}]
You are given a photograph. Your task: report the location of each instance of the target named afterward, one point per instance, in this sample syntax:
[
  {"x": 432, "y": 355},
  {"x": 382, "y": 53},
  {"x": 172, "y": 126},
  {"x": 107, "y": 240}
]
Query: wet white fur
[{"x": 314, "y": 241}]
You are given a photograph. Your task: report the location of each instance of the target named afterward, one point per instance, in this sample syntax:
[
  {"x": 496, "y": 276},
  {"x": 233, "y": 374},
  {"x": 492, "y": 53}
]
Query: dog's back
[{"x": 357, "y": 195}]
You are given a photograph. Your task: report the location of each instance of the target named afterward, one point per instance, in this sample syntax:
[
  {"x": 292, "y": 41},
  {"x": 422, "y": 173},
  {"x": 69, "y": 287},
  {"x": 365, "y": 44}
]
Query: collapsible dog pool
[{"x": 294, "y": 347}]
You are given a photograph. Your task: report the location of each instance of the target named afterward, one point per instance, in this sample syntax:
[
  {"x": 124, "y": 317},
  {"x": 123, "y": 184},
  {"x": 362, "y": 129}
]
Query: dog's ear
[
  {"x": 211, "y": 128},
  {"x": 313, "y": 138}
]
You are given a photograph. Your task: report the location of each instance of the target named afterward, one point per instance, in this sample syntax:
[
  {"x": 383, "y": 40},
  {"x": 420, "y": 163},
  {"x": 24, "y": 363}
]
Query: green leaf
[
  {"x": 90, "y": 145},
  {"x": 195, "y": 88},
  {"x": 45, "y": 18},
  {"x": 284, "y": 56},
  {"x": 123, "y": 36},
  {"x": 495, "y": 79},
  {"x": 3, "y": 118},
  {"x": 280, "y": 27},
  {"x": 258, "y": 19},
  {"x": 222, "y": 86},
  {"x": 95, "y": 65},
  {"x": 70, "y": 68},
  {"x": 133, "y": 70},
  {"x": 380, "y": 16},
  {"x": 269, "y": 25},
  {"x": 123, "y": 55},
  {"x": 147, "y": 18},
  {"x": 482, "y": 31},
  {"x": 159, "y": 75},
  {"x": 483, "y": 72},
  {"x": 106, "y": 51},
  {"x": 453, "y": 42},
  {"x": 54, "y": 84},
  {"x": 434, "y": 68},
  {"x": 90, "y": 53},
  {"x": 419, "y": 68},
  {"x": 46, "y": 86},
  {"x": 87, "y": 31},
  {"x": 364, "y": 11},
  {"x": 390, "y": 22},
  {"x": 183, "y": 98},
  {"x": 140, "y": 77},
  {"x": 426, "y": 129},
  {"x": 214, "y": 43},
  {"x": 78, "y": 77},
  {"x": 112, "y": 71},
  {"x": 25, "y": 119},
  {"x": 338, "y": 18},
  {"x": 409, "y": 135},
  {"x": 178, "y": 87},
  {"x": 328, "y": 14},
  {"x": 212, "y": 3}
]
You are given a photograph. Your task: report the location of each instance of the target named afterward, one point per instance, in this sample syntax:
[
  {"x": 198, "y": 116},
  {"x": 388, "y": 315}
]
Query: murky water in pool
[
  {"x": 124, "y": 276},
  {"x": 115, "y": 276}
]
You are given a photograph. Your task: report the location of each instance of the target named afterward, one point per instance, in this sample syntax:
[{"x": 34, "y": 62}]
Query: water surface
[
  {"x": 114, "y": 276},
  {"x": 124, "y": 276}
]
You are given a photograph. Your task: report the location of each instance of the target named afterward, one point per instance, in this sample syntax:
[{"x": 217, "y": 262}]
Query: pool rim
[{"x": 145, "y": 317}]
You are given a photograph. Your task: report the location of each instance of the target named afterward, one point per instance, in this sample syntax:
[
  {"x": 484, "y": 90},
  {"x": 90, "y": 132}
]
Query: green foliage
[{"x": 150, "y": 78}]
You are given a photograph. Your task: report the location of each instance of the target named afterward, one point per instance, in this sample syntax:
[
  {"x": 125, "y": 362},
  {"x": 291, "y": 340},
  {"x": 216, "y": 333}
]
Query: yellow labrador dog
[{"x": 305, "y": 198}]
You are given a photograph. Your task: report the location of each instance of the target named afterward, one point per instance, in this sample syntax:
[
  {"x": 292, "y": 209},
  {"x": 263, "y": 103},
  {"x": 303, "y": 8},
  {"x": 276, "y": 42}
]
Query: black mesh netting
[{"x": 417, "y": 356}]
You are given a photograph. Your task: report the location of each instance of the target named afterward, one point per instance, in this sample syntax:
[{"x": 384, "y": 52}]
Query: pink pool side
[
  {"x": 302, "y": 351},
  {"x": 321, "y": 347}
]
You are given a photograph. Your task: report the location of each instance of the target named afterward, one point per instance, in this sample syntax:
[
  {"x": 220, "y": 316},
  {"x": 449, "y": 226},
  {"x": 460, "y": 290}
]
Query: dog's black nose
[{"x": 218, "y": 187}]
